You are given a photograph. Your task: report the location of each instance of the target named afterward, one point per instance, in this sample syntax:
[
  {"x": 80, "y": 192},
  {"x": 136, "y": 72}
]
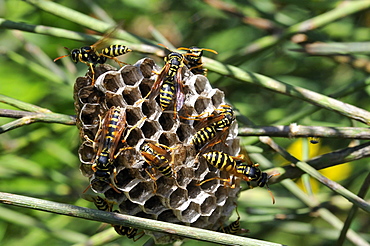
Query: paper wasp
[
  {"x": 314, "y": 140},
  {"x": 93, "y": 54},
  {"x": 233, "y": 227},
  {"x": 235, "y": 166},
  {"x": 104, "y": 205},
  {"x": 107, "y": 139},
  {"x": 169, "y": 83},
  {"x": 158, "y": 156},
  {"x": 213, "y": 128},
  {"x": 193, "y": 59}
]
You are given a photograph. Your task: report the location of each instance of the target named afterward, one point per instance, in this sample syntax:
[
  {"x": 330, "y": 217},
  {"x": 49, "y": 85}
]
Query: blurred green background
[{"x": 40, "y": 160}]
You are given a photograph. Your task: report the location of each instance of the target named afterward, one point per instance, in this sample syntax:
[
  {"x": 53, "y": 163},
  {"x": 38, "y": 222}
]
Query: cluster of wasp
[{"x": 191, "y": 168}]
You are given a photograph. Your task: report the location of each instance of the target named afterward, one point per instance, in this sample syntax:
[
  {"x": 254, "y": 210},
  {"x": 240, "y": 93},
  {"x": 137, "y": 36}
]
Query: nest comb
[{"x": 183, "y": 202}]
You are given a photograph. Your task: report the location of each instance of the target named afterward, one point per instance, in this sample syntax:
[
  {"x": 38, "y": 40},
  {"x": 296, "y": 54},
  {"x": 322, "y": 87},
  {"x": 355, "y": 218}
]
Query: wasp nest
[{"x": 179, "y": 199}]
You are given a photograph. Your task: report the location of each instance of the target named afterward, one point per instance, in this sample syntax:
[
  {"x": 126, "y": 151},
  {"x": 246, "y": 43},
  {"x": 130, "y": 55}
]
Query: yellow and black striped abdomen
[
  {"x": 203, "y": 136},
  {"x": 115, "y": 50},
  {"x": 233, "y": 228},
  {"x": 159, "y": 161},
  {"x": 102, "y": 204},
  {"x": 166, "y": 170},
  {"x": 166, "y": 94},
  {"x": 220, "y": 160},
  {"x": 112, "y": 127}
]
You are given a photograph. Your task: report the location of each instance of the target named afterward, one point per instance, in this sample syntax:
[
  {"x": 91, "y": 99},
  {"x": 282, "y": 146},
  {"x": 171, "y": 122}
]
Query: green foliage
[{"x": 41, "y": 159}]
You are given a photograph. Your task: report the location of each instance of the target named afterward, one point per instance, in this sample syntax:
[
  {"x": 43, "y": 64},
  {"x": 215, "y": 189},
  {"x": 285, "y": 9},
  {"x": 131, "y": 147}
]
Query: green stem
[
  {"x": 126, "y": 220},
  {"x": 345, "y": 9},
  {"x": 84, "y": 20},
  {"x": 48, "y": 118},
  {"x": 352, "y": 213},
  {"x": 290, "y": 90},
  {"x": 22, "y": 105},
  {"x": 326, "y": 160},
  {"x": 313, "y": 204},
  {"x": 295, "y": 130},
  {"x": 312, "y": 172}
]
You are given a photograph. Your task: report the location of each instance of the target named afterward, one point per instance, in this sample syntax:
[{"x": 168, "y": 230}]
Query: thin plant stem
[
  {"x": 352, "y": 213},
  {"x": 345, "y": 9},
  {"x": 323, "y": 161},
  {"x": 84, "y": 20},
  {"x": 22, "y": 105},
  {"x": 314, "y": 204},
  {"x": 361, "y": 203},
  {"x": 294, "y": 130},
  {"x": 127, "y": 220},
  {"x": 314, "y": 98}
]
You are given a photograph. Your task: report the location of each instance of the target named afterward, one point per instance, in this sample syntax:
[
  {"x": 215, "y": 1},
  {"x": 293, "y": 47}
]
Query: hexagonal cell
[
  {"x": 146, "y": 66},
  {"x": 141, "y": 193},
  {"x": 125, "y": 180},
  {"x": 115, "y": 197},
  {"x": 167, "y": 121},
  {"x": 212, "y": 183},
  {"x": 111, "y": 83},
  {"x": 133, "y": 115},
  {"x": 201, "y": 171},
  {"x": 185, "y": 176},
  {"x": 99, "y": 186},
  {"x": 191, "y": 214},
  {"x": 166, "y": 185},
  {"x": 194, "y": 191},
  {"x": 188, "y": 92},
  {"x": 202, "y": 222},
  {"x": 151, "y": 110},
  {"x": 213, "y": 218},
  {"x": 221, "y": 195},
  {"x": 89, "y": 114},
  {"x": 168, "y": 216},
  {"x": 208, "y": 206},
  {"x": 134, "y": 137},
  {"x": 145, "y": 87},
  {"x": 89, "y": 130},
  {"x": 179, "y": 199},
  {"x": 217, "y": 98},
  {"x": 184, "y": 131},
  {"x": 202, "y": 104},
  {"x": 131, "y": 75},
  {"x": 125, "y": 155},
  {"x": 86, "y": 169},
  {"x": 201, "y": 84},
  {"x": 131, "y": 95},
  {"x": 150, "y": 128},
  {"x": 130, "y": 208},
  {"x": 154, "y": 206},
  {"x": 168, "y": 139},
  {"x": 86, "y": 152},
  {"x": 113, "y": 99},
  {"x": 89, "y": 95},
  {"x": 81, "y": 82}
]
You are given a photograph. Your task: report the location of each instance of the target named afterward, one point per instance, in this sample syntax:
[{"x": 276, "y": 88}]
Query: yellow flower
[{"x": 335, "y": 173}]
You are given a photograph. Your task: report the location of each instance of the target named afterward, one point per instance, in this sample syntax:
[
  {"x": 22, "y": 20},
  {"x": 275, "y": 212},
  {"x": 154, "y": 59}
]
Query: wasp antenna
[
  {"x": 272, "y": 195},
  {"x": 164, "y": 46},
  {"x": 210, "y": 50},
  {"x": 183, "y": 48},
  {"x": 273, "y": 175},
  {"x": 114, "y": 188},
  {"x": 60, "y": 57},
  {"x": 88, "y": 187}
]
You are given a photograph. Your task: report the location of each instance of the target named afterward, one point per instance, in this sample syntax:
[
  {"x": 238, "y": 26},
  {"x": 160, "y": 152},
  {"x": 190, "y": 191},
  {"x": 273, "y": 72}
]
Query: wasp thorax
[{"x": 155, "y": 172}]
